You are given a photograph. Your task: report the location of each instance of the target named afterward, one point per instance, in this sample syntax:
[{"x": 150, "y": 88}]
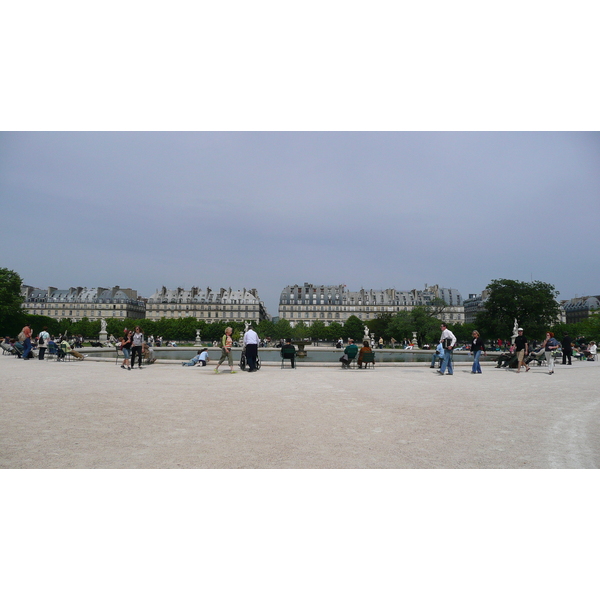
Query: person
[
  {"x": 66, "y": 348},
  {"x": 148, "y": 353},
  {"x": 550, "y": 345},
  {"x": 25, "y": 339},
  {"x": 339, "y": 343},
  {"x": 364, "y": 350},
  {"x": 226, "y": 344},
  {"x": 567, "y": 348},
  {"x": 507, "y": 359},
  {"x": 477, "y": 348},
  {"x": 591, "y": 351},
  {"x": 291, "y": 349},
  {"x": 521, "y": 349},
  {"x": 350, "y": 352},
  {"x": 126, "y": 348},
  {"x": 136, "y": 347},
  {"x": 380, "y": 343},
  {"x": 200, "y": 358},
  {"x": 393, "y": 342},
  {"x": 43, "y": 342},
  {"x": 438, "y": 354},
  {"x": 251, "y": 342},
  {"x": 448, "y": 341}
]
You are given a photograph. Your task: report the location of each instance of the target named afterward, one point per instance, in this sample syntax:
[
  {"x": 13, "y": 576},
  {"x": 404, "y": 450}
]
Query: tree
[
  {"x": 334, "y": 331},
  {"x": 283, "y": 330},
  {"x": 354, "y": 328},
  {"x": 380, "y": 325},
  {"x": 533, "y": 305},
  {"x": 421, "y": 320},
  {"x": 11, "y": 314},
  {"x": 317, "y": 330}
]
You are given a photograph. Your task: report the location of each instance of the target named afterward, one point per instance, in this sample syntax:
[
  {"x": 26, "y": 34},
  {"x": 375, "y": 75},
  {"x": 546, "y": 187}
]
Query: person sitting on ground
[
  {"x": 350, "y": 352},
  {"x": 290, "y": 349},
  {"x": 148, "y": 353},
  {"x": 507, "y": 359},
  {"x": 364, "y": 350},
  {"x": 437, "y": 355},
  {"x": 200, "y": 359}
]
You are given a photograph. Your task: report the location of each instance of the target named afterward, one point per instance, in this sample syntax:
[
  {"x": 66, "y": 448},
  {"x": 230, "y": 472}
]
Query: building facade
[
  {"x": 77, "y": 303},
  {"x": 206, "y": 305},
  {"x": 336, "y": 303},
  {"x": 578, "y": 309}
]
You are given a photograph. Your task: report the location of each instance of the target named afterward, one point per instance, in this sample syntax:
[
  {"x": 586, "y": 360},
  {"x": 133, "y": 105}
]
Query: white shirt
[
  {"x": 251, "y": 337},
  {"x": 447, "y": 334}
]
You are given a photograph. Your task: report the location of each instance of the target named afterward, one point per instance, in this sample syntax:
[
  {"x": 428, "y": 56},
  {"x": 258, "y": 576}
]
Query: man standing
[
  {"x": 567, "y": 349},
  {"x": 448, "y": 341},
  {"x": 43, "y": 343},
  {"x": 251, "y": 342},
  {"x": 521, "y": 349}
]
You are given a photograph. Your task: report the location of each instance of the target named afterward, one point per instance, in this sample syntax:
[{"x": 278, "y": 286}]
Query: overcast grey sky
[{"x": 267, "y": 210}]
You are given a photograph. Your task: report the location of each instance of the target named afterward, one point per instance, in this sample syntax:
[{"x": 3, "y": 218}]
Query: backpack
[{"x": 21, "y": 337}]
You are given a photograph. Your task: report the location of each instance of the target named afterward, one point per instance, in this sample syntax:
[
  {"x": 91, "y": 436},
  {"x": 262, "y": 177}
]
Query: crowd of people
[{"x": 133, "y": 345}]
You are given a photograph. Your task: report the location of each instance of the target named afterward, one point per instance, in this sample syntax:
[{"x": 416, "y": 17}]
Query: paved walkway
[{"x": 95, "y": 415}]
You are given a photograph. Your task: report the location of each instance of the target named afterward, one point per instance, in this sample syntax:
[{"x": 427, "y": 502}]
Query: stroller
[{"x": 243, "y": 360}]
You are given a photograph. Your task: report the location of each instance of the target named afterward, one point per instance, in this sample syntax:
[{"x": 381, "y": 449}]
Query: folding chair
[{"x": 368, "y": 358}]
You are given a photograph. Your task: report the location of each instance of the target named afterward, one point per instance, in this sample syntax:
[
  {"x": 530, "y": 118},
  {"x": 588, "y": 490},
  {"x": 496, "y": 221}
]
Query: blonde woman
[
  {"x": 477, "y": 348},
  {"x": 226, "y": 345}
]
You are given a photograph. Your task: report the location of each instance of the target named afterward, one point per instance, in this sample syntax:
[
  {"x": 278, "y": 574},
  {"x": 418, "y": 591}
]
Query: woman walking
[
  {"x": 477, "y": 348},
  {"x": 125, "y": 349},
  {"x": 226, "y": 344},
  {"x": 137, "y": 342},
  {"x": 550, "y": 344}
]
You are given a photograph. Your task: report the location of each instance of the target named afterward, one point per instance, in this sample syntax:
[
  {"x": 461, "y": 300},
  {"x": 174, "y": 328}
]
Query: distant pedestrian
[
  {"x": 477, "y": 348},
  {"x": 126, "y": 348},
  {"x": 226, "y": 345},
  {"x": 251, "y": 342},
  {"x": 550, "y": 344},
  {"x": 25, "y": 339},
  {"x": 567, "y": 349},
  {"x": 521, "y": 349},
  {"x": 448, "y": 341},
  {"x": 43, "y": 342},
  {"x": 137, "y": 340},
  {"x": 381, "y": 343}
]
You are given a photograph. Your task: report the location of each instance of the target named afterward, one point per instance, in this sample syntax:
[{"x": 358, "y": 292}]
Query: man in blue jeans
[
  {"x": 438, "y": 354},
  {"x": 448, "y": 341}
]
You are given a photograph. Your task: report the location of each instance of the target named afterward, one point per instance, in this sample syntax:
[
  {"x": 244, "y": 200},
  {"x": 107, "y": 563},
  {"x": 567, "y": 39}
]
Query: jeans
[
  {"x": 447, "y": 362},
  {"x": 26, "y": 347},
  {"x": 476, "y": 366},
  {"x": 434, "y": 357}
]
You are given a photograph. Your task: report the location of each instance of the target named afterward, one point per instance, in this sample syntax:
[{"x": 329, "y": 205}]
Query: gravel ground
[{"x": 92, "y": 414}]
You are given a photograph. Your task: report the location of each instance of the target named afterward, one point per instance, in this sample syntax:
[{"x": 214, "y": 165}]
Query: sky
[
  {"x": 269, "y": 209},
  {"x": 266, "y": 144}
]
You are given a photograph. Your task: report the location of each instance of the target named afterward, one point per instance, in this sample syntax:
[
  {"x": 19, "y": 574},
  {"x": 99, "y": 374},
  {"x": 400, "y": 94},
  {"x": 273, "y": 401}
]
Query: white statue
[
  {"x": 102, "y": 325},
  {"x": 515, "y": 332},
  {"x": 246, "y": 325},
  {"x": 366, "y": 331}
]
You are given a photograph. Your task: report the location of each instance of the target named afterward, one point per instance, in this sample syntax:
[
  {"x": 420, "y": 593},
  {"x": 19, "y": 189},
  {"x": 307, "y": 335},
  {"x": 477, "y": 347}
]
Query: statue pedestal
[{"x": 103, "y": 336}]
